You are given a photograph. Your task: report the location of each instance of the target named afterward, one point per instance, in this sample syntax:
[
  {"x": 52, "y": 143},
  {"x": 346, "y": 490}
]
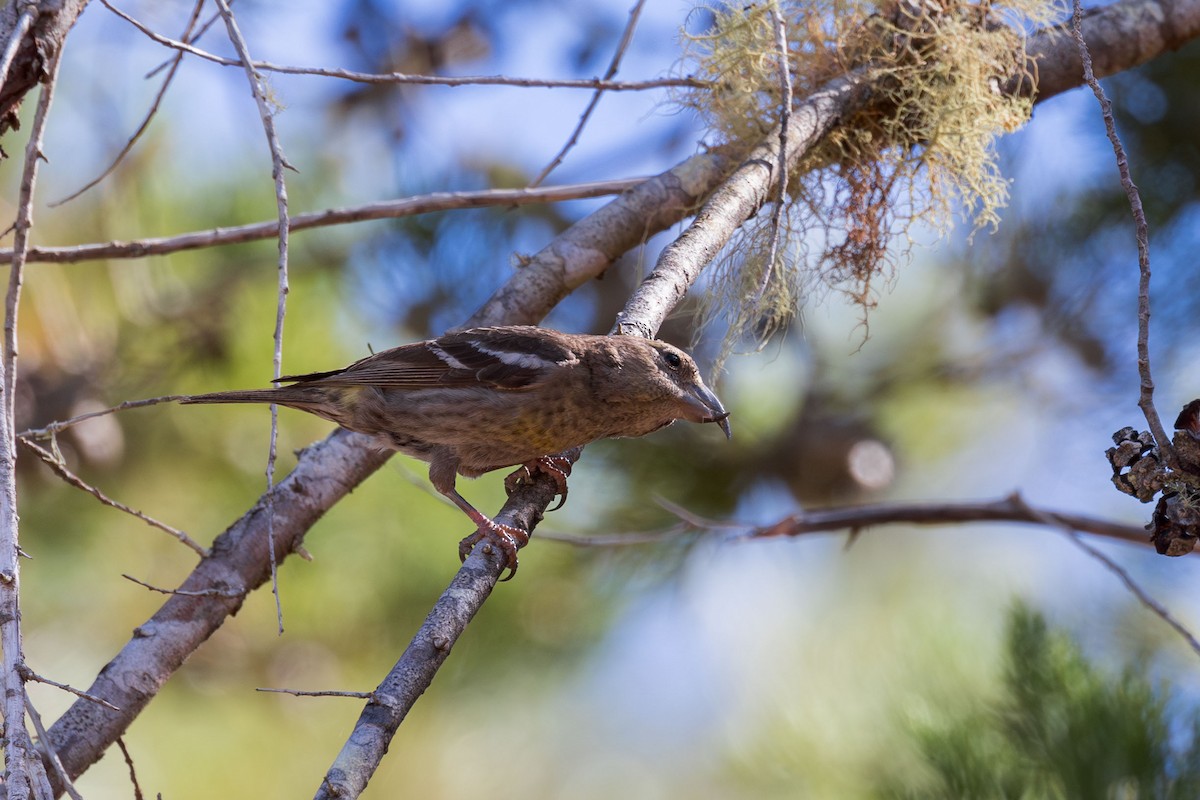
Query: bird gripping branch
[{"x": 487, "y": 398}]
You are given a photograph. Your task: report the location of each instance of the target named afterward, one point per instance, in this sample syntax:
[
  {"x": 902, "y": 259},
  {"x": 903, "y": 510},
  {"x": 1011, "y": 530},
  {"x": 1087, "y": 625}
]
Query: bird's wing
[{"x": 512, "y": 358}]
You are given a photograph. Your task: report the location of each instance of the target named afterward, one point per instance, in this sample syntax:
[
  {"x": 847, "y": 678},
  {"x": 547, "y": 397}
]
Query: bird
[{"x": 481, "y": 399}]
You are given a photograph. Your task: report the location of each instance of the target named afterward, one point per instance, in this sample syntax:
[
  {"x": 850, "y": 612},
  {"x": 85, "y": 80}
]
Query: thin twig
[
  {"x": 200, "y": 33},
  {"x": 327, "y": 693},
  {"x": 137, "y": 789},
  {"x": 1146, "y": 390},
  {"x": 227, "y": 593},
  {"x": 1143, "y": 597},
  {"x": 48, "y": 749},
  {"x": 30, "y": 675},
  {"x": 1007, "y": 509},
  {"x": 48, "y": 431},
  {"x": 387, "y": 209},
  {"x": 278, "y": 165},
  {"x": 1155, "y": 607},
  {"x": 175, "y": 61},
  {"x": 785, "y": 118},
  {"x": 20, "y": 776},
  {"x": 420, "y": 80},
  {"x": 54, "y": 460},
  {"x": 613, "y": 65}
]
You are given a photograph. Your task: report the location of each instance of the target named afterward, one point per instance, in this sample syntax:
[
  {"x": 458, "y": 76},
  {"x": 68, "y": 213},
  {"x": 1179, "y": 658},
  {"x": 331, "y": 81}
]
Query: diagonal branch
[
  {"x": 626, "y": 38},
  {"x": 173, "y": 67},
  {"x": 384, "y": 209},
  {"x": 239, "y": 563}
]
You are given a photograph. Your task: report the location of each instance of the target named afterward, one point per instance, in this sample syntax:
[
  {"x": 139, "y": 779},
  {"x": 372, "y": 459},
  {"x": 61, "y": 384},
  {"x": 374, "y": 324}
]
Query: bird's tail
[{"x": 304, "y": 398}]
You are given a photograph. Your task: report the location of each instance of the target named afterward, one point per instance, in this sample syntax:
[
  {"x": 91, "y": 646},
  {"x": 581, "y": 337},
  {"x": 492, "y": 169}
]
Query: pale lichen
[{"x": 923, "y": 151}]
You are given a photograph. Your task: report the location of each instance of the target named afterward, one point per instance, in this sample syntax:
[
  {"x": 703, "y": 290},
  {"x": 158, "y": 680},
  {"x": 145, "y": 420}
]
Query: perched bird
[{"x": 487, "y": 398}]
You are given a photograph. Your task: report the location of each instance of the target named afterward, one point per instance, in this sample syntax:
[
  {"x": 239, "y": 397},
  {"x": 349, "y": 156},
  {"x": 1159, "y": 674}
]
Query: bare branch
[
  {"x": 49, "y": 431},
  {"x": 414, "y": 672},
  {"x": 137, "y": 790},
  {"x": 387, "y": 209},
  {"x": 278, "y": 164},
  {"x": 1146, "y": 391},
  {"x": 622, "y": 46},
  {"x": 35, "y": 50},
  {"x": 1143, "y": 597},
  {"x": 1007, "y": 509},
  {"x": 629, "y": 539},
  {"x": 326, "y": 472},
  {"x": 1122, "y": 35},
  {"x": 55, "y": 462},
  {"x": 420, "y": 80},
  {"x": 21, "y": 773},
  {"x": 174, "y": 63},
  {"x": 737, "y": 199},
  {"x": 48, "y": 753},
  {"x": 326, "y": 693},
  {"x": 30, "y": 675},
  {"x": 229, "y": 593}
]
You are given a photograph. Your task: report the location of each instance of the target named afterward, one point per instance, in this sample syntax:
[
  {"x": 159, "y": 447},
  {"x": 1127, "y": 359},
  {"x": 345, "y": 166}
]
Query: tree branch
[
  {"x": 21, "y": 776},
  {"x": 385, "y": 209},
  {"x": 1142, "y": 234},
  {"x": 598, "y": 84},
  {"x": 239, "y": 563}
]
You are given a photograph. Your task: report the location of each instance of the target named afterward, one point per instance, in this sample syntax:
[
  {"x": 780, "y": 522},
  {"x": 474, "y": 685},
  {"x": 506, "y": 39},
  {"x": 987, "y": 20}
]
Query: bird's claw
[
  {"x": 557, "y": 466},
  {"x": 508, "y": 538}
]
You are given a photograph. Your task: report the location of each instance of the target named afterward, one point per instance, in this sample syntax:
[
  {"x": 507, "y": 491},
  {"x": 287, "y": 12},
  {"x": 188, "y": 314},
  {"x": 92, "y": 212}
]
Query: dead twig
[
  {"x": 386, "y": 209},
  {"x": 174, "y": 63},
  {"x": 1143, "y": 597},
  {"x": 30, "y": 675},
  {"x": 278, "y": 165},
  {"x": 419, "y": 80},
  {"x": 613, "y": 65},
  {"x": 1146, "y": 390},
  {"x": 22, "y": 774},
  {"x": 325, "y": 693},
  {"x": 54, "y": 460},
  {"x": 232, "y": 594}
]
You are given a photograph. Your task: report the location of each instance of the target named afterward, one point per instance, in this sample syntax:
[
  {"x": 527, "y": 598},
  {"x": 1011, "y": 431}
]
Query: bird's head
[{"x": 661, "y": 377}]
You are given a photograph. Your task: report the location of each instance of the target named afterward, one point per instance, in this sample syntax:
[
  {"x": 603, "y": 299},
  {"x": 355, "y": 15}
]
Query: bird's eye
[{"x": 673, "y": 360}]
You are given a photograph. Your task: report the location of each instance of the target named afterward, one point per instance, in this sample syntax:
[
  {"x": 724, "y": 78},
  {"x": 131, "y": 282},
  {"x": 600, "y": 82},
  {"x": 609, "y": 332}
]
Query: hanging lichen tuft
[{"x": 922, "y": 151}]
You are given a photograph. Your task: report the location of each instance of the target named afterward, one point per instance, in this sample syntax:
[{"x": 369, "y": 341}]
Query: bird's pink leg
[
  {"x": 557, "y": 466},
  {"x": 508, "y": 538},
  {"x": 442, "y": 471}
]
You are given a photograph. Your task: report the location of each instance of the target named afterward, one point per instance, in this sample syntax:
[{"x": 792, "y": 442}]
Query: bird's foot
[
  {"x": 557, "y": 466},
  {"x": 508, "y": 538}
]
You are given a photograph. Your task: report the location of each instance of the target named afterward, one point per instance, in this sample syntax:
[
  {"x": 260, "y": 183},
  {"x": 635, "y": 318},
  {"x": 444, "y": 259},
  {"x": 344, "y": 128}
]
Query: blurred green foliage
[{"x": 1060, "y": 727}]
